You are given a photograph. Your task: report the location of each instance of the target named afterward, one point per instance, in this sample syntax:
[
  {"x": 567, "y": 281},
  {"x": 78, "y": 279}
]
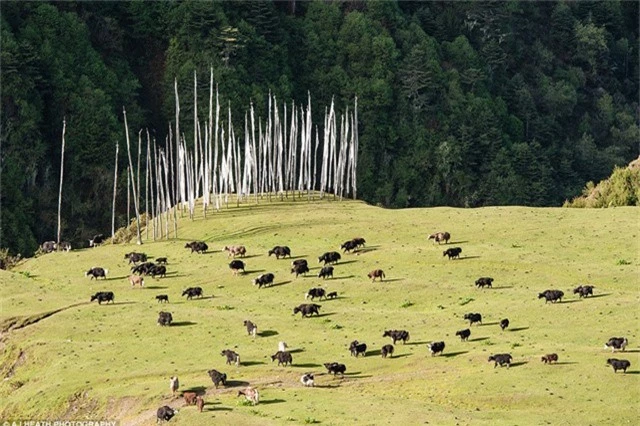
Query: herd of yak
[{"x": 142, "y": 267}]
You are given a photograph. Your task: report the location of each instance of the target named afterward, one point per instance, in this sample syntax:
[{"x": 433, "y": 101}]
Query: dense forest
[{"x": 459, "y": 103}]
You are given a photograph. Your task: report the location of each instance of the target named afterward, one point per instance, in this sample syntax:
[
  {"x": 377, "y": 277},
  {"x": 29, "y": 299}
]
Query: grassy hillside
[{"x": 89, "y": 361}]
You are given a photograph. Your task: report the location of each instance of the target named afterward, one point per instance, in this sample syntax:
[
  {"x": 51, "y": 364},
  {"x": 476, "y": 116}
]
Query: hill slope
[{"x": 112, "y": 361}]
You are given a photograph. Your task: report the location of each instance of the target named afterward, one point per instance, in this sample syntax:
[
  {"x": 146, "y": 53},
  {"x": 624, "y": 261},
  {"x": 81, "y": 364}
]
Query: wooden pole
[
  {"x": 135, "y": 194},
  {"x": 64, "y": 129},
  {"x": 113, "y": 205}
]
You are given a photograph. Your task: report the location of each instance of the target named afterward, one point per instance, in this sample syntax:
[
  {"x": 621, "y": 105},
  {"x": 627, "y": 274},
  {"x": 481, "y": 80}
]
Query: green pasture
[{"x": 63, "y": 357}]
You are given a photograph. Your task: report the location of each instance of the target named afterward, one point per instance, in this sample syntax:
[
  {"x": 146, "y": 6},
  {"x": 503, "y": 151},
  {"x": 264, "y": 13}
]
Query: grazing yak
[
  {"x": 237, "y": 265},
  {"x": 280, "y": 251},
  {"x": 157, "y": 270},
  {"x": 103, "y": 296},
  {"x": 143, "y": 268},
  {"x": 329, "y": 257},
  {"x": 617, "y": 343},
  {"x": 217, "y": 377},
  {"x": 96, "y": 240},
  {"x": 252, "y": 329},
  {"x": 453, "y": 253},
  {"x": 136, "y": 280},
  {"x": 356, "y": 348},
  {"x": 332, "y": 295},
  {"x": 97, "y": 272},
  {"x": 165, "y": 318},
  {"x": 307, "y": 309},
  {"x": 192, "y": 292},
  {"x": 397, "y": 335},
  {"x": 504, "y": 323},
  {"x": 473, "y": 318},
  {"x": 174, "y": 384},
  {"x": 307, "y": 380},
  {"x": 300, "y": 269},
  {"x": 439, "y": 237},
  {"x": 135, "y": 258},
  {"x": 48, "y": 246},
  {"x": 335, "y": 368},
  {"x": 264, "y": 280},
  {"x": 551, "y": 296},
  {"x": 197, "y": 246},
  {"x": 299, "y": 262},
  {"x": 236, "y": 251},
  {"x": 376, "y": 273},
  {"x": 484, "y": 281},
  {"x": 190, "y": 398},
  {"x": 161, "y": 260},
  {"x": 464, "y": 334},
  {"x": 619, "y": 364},
  {"x": 584, "y": 290},
  {"x": 436, "y": 347},
  {"x": 348, "y": 246},
  {"x": 315, "y": 292},
  {"x": 386, "y": 350},
  {"x": 232, "y": 357},
  {"x": 162, "y": 298},
  {"x": 326, "y": 272},
  {"x": 165, "y": 413},
  {"x": 64, "y": 246},
  {"x": 501, "y": 359},
  {"x": 251, "y": 394},
  {"x": 283, "y": 358},
  {"x": 549, "y": 358}
]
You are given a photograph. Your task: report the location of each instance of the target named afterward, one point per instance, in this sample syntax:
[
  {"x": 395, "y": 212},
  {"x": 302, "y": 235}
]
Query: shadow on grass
[
  {"x": 633, "y": 372},
  {"x": 570, "y": 301},
  {"x": 366, "y": 250},
  {"x": 478, "y": 339},
  {"x": 302, "y": 256},
  {"x": 357, "y": 377},
  {"x": 598, "y": 295},
  {"x": 254, "y": 271},
  {"x": 346, "y": 277},
  {"x": 328, "y": 314},
  {"x": 236, "y": 383},
  {"x": 307, "y": 365},
  {"x": 279, "y": 284},
  {"x": 295, "y": 351},
  {"x": 250, "y": 363},
  {"x": 519, "y": 329},
  {"x": 271, "y": 401},
  {"x": 200, "y": 390},
  {"x": 201, "y": 298},
  {"x": 454, "y": 242},
  {"x": 182, "y": 323},
  {"x": 156, "y": 287},
  {"x": 250, "y": 256},
  {"x": 489, "y": 323},
  {"x": 500, "y": 287},
  {"x": 218, "y": 409},
  {"x": 327, "y": 386},
  {"x": 518, "y": 364},
  {"x": 452, "y": 354},
  {"x": 267, "y": 333},
  {"x": 346, "y": 262},
  {"x": 400, "y": 355},
  {"x": 416, "y": 343},
  {"x": 468, "y": 257},
  {"x": 632, "y": 351},
  {"x": 392, "y": 280},
  {"x": 564, "y": 363},
  {"x": 122, "y": 303},
  {"x": 376, "y": 352}
]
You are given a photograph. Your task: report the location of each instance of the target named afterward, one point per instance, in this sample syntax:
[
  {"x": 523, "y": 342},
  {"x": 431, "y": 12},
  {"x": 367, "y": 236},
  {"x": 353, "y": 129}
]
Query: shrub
[{"x": 622, "y": 188}]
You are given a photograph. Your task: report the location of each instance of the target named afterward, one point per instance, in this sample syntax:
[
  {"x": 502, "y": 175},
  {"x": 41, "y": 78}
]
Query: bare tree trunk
[
  {"x": 146, "y": 188},
  {"x": 128, "y": 197},
  {"x": 135, "y": 193},
  {"x": 113, "y": 206},
  {"x": 138, "y": 169},
  {"x": 64, "y": 129}
]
